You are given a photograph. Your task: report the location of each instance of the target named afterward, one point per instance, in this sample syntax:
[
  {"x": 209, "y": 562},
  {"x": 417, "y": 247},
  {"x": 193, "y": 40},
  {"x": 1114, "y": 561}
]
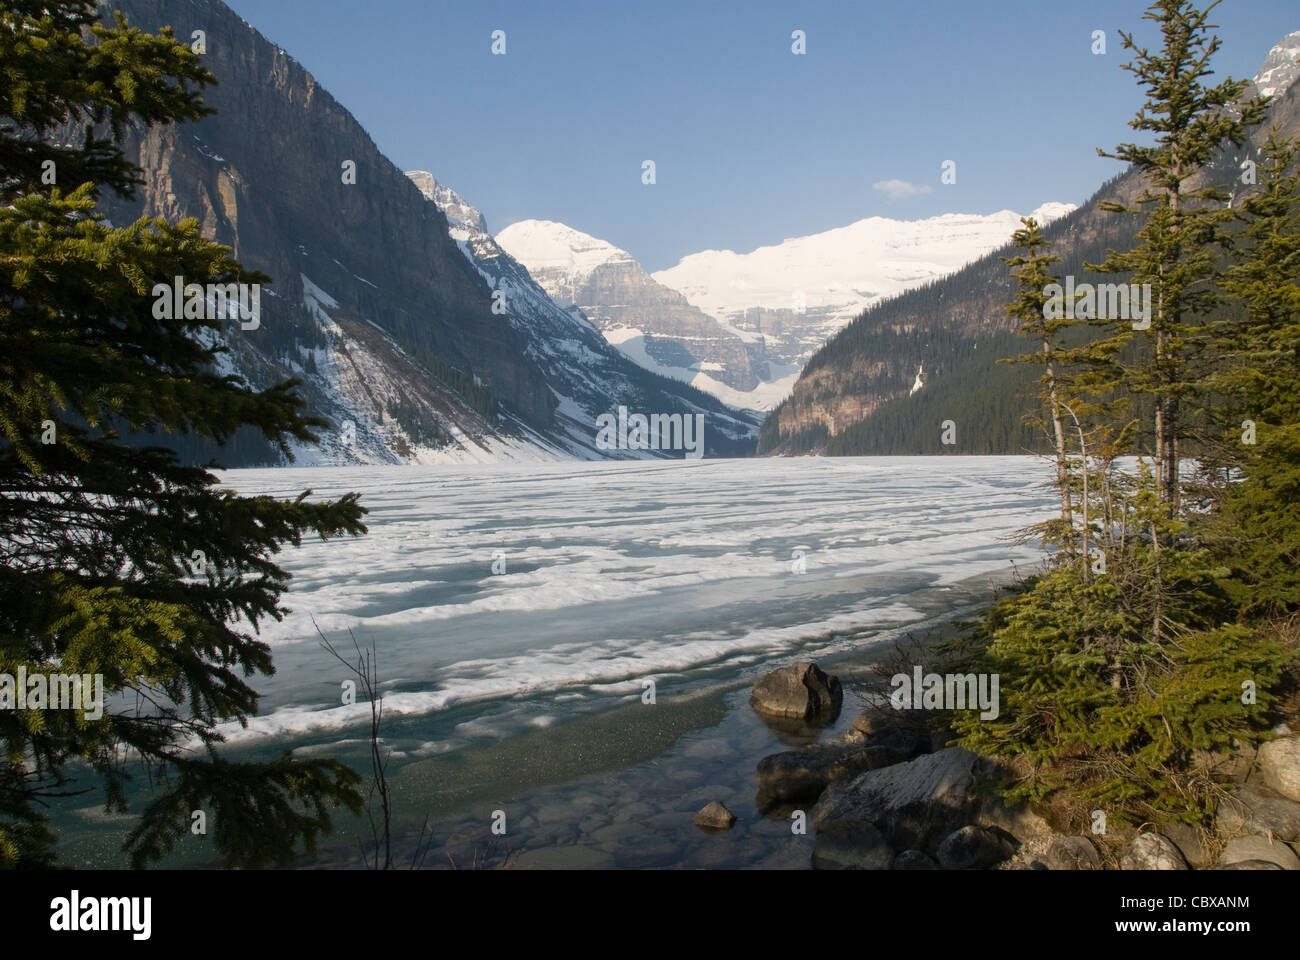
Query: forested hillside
[{"x": 853, "y": 396}]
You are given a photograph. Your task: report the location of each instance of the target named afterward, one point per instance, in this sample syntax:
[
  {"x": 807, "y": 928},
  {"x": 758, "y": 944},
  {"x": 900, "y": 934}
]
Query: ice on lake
[{"x": 496, "y": 595}]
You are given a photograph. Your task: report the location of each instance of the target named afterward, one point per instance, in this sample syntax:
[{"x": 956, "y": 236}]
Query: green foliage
[
  {"x": 118, "y": 560},
  {"x": 1120, "y": 675},
  {"x": 1184, "y": 226},
  {"x": 1106, "y": 708},
  {"x": 1258, "y": 527}
]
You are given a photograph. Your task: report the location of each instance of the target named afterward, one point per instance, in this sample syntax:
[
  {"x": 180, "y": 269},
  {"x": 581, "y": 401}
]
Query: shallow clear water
[{"x": 519, "y": 612}]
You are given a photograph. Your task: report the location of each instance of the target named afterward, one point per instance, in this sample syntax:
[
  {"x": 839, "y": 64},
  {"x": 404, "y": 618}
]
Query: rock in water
[
  {"x": 715, "y": 816},
  {"x": 1278, "y": 766},
  {"x": 798, "y": 776},
  {"x": 800, "y": 691},
  {"x": 1151, "y": 851}
]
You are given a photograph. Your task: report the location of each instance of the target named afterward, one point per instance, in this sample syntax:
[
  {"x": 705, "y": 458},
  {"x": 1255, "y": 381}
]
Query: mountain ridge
[
  {"x": 853, "y": 396},
  {"x": 587, "y": 374},
  {"x": 685, "y": 322},
  {"x": 646, "y": 321},
  {"x": 373, "y": 305}
]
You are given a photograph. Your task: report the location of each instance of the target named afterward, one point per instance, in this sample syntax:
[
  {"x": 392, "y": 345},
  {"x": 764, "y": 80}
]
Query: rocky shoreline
[
  {"x": 892, "y": 793},
  {"x": 796, "y": 768}
]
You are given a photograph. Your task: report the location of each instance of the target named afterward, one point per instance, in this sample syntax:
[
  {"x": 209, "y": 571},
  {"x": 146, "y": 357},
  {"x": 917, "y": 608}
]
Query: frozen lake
[
  {"x": 504, "y": 598},
  {"x": 517, "y": 613}
]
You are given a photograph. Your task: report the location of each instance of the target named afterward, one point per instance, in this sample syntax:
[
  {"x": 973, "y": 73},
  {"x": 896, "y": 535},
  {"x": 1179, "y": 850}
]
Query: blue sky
[{"x": 752, "y": 144}]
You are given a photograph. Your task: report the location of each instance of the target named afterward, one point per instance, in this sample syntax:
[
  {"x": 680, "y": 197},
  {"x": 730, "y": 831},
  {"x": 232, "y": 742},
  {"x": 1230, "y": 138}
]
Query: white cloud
[{"x": 899, "y": 189}]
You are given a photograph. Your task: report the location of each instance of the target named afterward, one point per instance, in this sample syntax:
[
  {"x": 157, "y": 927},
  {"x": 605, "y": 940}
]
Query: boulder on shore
[
  {"x": 1151, "y": 851},
  {"x": 1190, "y": 842},
  {"x": 801, "y": 691},
  {"x": 1259, "y": 848},
  {"x": 915, "y": 860},
  {"x": 913, "y": 805},
  {"x": 851, "y": 845},
  {"x": 1072, "y": 853},
  {"x": 1278, "y": 766},
  {"x": 1250, "y": 865},
  {"x": 974, "y": 848},
  {"x": 1253, "y": 808}
]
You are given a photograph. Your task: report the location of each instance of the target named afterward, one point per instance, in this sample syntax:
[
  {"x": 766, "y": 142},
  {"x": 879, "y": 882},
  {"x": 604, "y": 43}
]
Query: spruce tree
[
  {"x": 1117, "y": 686},
  {"x": 1185, "y": 225},
  {"x": 121, "y": 561},
  {"x": 1031, "y": 270},
  {"x": 1258, "y": 377}
]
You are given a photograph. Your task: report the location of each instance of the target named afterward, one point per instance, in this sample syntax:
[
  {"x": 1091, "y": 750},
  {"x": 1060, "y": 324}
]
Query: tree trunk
[{"x": 1062, "y": 462}]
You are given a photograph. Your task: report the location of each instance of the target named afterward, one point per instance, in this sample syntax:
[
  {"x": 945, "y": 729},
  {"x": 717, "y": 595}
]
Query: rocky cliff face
[
  {"x": 1280, "y": 68},
  {"x": 622, "y": 296},
  {"x": 365, "y": 274}
]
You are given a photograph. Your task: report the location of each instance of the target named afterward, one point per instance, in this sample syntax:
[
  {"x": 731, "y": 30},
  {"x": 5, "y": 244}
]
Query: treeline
[
  {"x": 1162, "y": 632},
  {"x": 979, "y": 411},
  {"x": 477, "y": 396},
  {"x": 950, "y": 325}
]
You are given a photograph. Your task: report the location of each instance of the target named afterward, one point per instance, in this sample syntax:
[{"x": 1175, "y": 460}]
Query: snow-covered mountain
[
  {"x": 883, "y": 382},
  {"x": 560, "y": 253},
  {"x": 587, "y": 375},
  {"x": 818, "y": 283},
  {"x": 1280, "y": 68},
  {"x": 741, "y": 326},
  {"x": 646, "y": 321},
  {"x": 371, "y": 306},
  {"x": 385, "y": 308}
]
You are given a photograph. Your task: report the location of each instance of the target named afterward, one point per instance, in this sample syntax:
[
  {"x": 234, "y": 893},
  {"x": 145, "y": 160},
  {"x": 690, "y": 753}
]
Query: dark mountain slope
[{"x": 853, "y": 396}]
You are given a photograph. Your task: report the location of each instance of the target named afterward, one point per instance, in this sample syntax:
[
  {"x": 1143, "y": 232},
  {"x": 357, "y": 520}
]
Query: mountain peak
[
  {"x": 1052, "y": 210},
  {"x": 1280, "y": 68},
  {"x": 547, "y": 245}
]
